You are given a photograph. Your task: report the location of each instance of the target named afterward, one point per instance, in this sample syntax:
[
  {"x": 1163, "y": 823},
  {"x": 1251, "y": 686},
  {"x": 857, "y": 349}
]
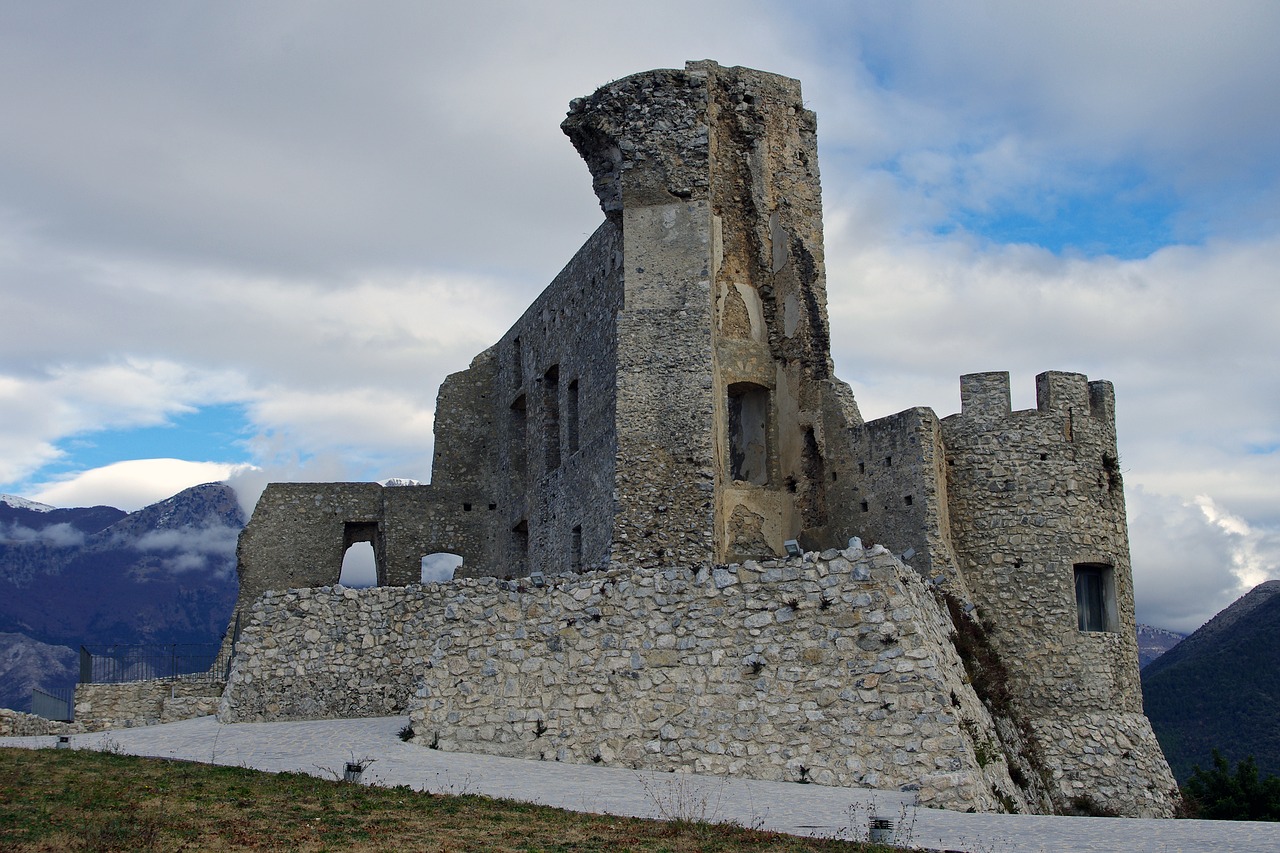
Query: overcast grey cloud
[{"x": 314, "y": 211}]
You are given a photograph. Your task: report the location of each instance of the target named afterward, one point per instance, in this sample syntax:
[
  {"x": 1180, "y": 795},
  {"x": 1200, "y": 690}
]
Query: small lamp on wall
[
  {"x": 793, "y": 548},
  {"x": 538, "y": 579}
]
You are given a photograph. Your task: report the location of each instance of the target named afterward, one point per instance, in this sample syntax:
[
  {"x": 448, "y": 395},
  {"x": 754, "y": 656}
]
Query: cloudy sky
[{"x": 248, "y": 240}]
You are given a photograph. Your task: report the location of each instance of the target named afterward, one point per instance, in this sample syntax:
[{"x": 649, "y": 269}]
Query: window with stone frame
[
  {"x": 749, "y": 433},
  {"x": 1096, "y": 597}
]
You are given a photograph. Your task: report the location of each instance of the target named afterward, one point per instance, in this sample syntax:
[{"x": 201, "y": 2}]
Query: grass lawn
[{"x": 58, "y": 800}]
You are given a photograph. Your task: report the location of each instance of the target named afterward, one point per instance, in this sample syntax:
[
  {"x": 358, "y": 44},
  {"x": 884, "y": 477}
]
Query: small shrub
[
  {"x": 406, "y": 733},
  {"x": 1224, "y": 793}
]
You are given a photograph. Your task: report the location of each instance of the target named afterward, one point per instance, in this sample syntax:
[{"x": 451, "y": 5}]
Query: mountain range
[
  {"x": 1220, "y": 688},
  {"x": 1154, "y": 642},
  {"x": 99, "y": 576}
]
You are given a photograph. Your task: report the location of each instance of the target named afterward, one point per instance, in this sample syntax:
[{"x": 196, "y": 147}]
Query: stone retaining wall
[
  {"x": 835, "y": 669},
  {"x": 18, "y": 724},
  {"x": 144, "y": 703}
]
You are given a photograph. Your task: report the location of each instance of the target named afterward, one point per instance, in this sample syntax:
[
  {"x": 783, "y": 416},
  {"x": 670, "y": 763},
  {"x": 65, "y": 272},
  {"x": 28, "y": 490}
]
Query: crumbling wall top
[{"x": 645, "y": 137}]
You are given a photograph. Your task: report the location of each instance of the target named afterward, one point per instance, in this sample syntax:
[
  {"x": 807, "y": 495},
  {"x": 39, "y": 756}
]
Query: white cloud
[
  {"x": 132, "y": 484},
  {"x": 57, "y": 535},
  {"x": 188, "y": 549},
  {"x": 316, "y": 212}
]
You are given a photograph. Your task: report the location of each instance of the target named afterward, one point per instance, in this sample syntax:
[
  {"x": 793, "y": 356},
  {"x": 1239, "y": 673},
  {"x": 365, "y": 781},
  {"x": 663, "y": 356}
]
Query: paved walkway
[{"x": 322, "y": 747}]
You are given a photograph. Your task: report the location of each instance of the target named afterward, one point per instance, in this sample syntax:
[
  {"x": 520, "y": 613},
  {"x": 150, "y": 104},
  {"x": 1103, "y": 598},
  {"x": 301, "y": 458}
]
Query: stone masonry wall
[
  {"x": 1032, "y": 494},
  {"x": 144, "y": 703},
  {"x": 838, "y": 670},
  {"x": 17, "y": 724},
  {"x": 893, "y": 484}
]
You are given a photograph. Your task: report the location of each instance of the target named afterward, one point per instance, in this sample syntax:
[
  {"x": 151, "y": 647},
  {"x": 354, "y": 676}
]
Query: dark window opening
[
  {"x": 1096, "y": 597},
  {"x": 520, "y": 540},
  {"x": 749, "y": 433},
  {"x": 908, "y": 500},
  {"x": 571, "y": 425},
  {"x": 866, "y": 507},
  {"x": 517, "y": 435},
  {"x": 1044, "y": 456},
  {"x": 888, "y": 461},
  {"x": 551, "y": 416},
  {"x": 862, "y": 467},
  {"x": 466, "y": 507},
  {"x": 492, "y": 507}
]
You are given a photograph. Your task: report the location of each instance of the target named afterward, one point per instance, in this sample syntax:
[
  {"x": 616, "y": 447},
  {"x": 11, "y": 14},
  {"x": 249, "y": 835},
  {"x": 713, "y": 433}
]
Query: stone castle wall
[
  {"x": 548, "y": 424},
  {"x": 666, "y": 407},
  {"x": 841, "y": 666},
  {"x": 1035, "y": 495}
]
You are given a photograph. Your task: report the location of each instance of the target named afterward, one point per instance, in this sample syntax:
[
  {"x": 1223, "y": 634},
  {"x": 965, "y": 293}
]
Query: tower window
[
  {"x": 1096, "y": 597},
  {"x": 749, "y": 433},
  {"x": 571, "y": 423},
  {"x": 551, "y": 415}
]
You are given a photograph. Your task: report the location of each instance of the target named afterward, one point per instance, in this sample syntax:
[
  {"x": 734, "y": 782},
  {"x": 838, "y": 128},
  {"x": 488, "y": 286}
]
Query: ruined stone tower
[{"x": 667, "y": 406}]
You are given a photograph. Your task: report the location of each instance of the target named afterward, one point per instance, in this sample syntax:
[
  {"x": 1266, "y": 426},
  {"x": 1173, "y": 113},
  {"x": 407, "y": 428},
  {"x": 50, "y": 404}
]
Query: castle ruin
[{"x": 682, "y": 546}]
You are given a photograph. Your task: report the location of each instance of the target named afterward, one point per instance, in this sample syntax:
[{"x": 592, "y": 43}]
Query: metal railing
[
  {"x": 54, "y": 703},
  {"x": 175, "y": 662}
]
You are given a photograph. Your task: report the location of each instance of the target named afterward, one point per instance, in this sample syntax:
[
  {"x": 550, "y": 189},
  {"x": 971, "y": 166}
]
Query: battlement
[{"x": 1057, "y": 392}]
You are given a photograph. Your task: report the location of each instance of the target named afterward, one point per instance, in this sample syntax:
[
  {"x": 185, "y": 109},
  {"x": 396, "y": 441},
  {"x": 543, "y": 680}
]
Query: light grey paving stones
[{"x": 322, "y": 747}]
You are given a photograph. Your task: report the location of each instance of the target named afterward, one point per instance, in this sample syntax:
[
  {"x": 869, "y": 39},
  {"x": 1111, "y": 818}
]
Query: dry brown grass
[{"x": 60, "y": 800}]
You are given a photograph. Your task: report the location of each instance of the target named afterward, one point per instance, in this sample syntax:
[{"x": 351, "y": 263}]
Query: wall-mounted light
[
  {"x": 538, "y": 579},
  {"x": 793, "y": 548}
]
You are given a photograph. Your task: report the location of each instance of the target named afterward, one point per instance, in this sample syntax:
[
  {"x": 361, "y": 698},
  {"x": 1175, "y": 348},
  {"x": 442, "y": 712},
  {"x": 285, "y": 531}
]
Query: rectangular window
[
  {"x": 551, "y": 415},
  {"x": 1096, "y": 597},
  {"x": 520, "y": 543},
  {"x": 576, "y": 554},
  {"x": 572, "y": 423},
  {"x": 517, "y": 437},
  {"x": 749, "y": 433}
]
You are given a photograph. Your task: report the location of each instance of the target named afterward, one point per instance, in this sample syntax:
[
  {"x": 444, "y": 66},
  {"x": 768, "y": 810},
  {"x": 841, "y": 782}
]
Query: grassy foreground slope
[{"x": 56, "y": 800}]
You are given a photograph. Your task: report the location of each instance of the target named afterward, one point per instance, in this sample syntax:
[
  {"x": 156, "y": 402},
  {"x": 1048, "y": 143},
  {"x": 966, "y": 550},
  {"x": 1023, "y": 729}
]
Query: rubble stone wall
[
  {"x": 1033, "y": 495},
  {"x": 144, "y": 703},
  {"x": 837, "y": 670},
  {"x": 17, "y": 724}
]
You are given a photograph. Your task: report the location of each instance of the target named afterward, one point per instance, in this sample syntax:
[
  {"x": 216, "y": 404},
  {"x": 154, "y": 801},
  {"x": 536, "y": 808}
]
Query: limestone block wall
[
  {"x": 1033, "y": 495},
  {"x": 144, "y": 703},
  {"x": 836, "y": 669},
  {"x": 17, "y": 724},
  {"x": 334, "y": 652},
  {"x": 893, "y": 488},
  {"x": 1108, "y": 761}
]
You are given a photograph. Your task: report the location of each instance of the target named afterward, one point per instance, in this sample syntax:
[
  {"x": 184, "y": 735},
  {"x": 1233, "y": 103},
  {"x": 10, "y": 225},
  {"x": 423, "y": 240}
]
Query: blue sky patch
[
  {"x": 211, "y": 434},
  {"x": 1087, "y": 225}
]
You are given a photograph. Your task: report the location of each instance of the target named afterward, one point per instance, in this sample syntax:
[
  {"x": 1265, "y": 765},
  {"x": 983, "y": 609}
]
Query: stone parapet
[{"x": 144, "y": 703}]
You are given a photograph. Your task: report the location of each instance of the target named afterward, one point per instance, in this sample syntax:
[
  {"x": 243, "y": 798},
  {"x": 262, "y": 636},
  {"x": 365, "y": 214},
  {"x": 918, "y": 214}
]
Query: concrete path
[{"x": 322, "y": 747}]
